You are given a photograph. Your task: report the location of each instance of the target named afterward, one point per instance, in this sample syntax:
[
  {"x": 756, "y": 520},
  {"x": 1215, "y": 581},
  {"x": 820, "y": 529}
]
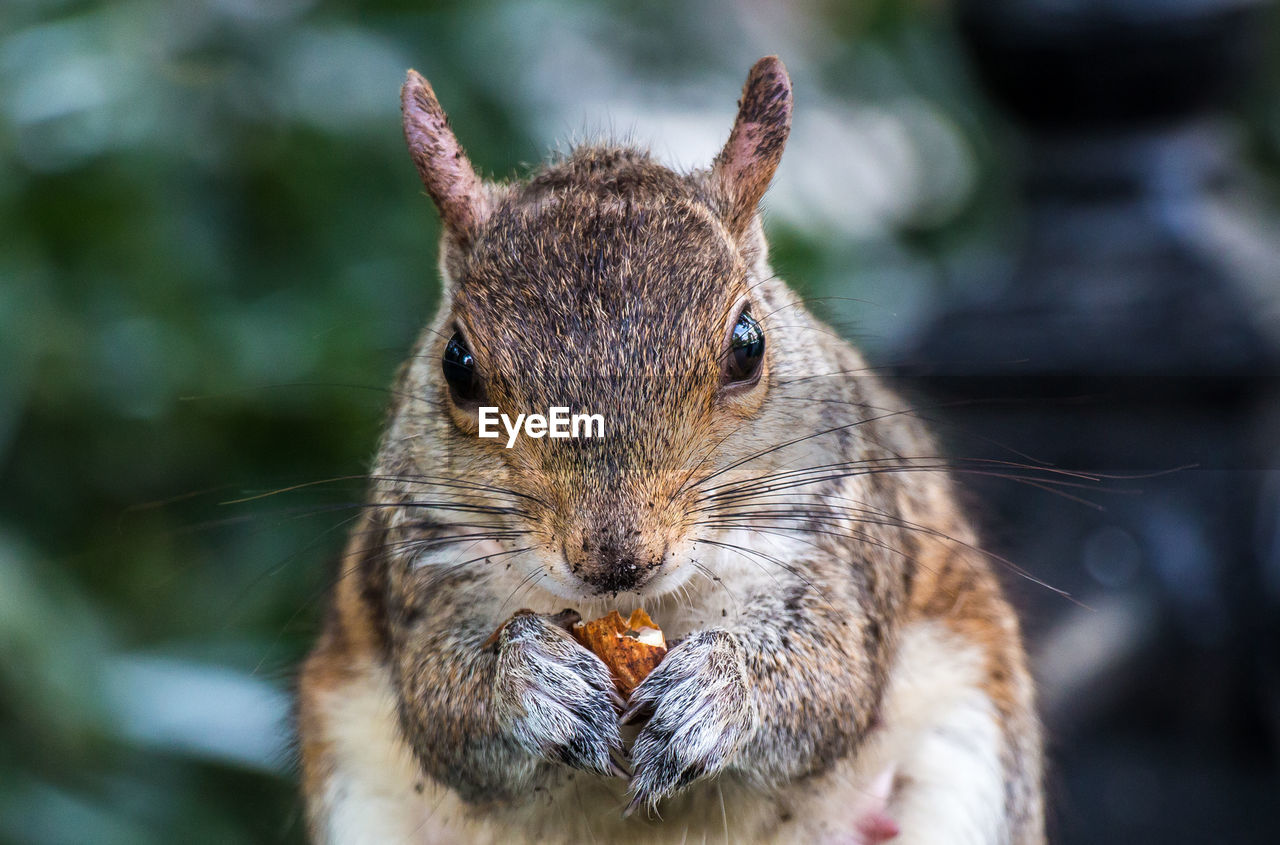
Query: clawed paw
[
  {"x": 555, "y": 698},
  {"x": 700, "y": 715}
]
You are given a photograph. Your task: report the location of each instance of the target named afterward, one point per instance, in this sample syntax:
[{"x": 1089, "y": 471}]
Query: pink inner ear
[
  {"x": 740, "y": 152},
  {"x": 442, "y": 165},
  {"x": 746, "y": 165}
]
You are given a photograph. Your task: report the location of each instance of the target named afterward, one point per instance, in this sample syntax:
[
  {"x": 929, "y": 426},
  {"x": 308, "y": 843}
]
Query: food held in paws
[{"x": 631, "y": 648}]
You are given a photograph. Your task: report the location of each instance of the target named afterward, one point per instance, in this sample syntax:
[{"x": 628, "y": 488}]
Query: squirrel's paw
[
  {"x": 702, "y": 715},
  {"x": 554, "y": 697}
]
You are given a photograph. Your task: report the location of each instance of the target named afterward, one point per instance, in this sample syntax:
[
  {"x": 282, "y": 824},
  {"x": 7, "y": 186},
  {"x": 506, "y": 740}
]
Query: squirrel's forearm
[
  {"x": 445, "y": 676},
  {"x": 815, "y": 665}
]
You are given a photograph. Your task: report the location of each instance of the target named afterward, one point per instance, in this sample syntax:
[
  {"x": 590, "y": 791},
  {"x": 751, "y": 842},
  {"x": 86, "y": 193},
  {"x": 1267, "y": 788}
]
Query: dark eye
[
  {"x": 746, "y": 350},
  {"x": 459, "y": 367}
]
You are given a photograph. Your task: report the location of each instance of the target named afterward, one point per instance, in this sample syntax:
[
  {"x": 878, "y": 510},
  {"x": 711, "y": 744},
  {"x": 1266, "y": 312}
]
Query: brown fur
[{"x": 608, "y": 282}]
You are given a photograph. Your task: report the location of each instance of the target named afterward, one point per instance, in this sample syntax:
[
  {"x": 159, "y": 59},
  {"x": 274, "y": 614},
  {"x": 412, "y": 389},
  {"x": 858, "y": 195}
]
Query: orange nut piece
[{"x": 631, "y": 648}]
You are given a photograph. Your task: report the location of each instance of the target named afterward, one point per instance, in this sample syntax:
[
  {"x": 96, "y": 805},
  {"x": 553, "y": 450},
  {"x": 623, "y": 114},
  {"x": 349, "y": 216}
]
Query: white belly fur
[{"x": 939, "y": 734}]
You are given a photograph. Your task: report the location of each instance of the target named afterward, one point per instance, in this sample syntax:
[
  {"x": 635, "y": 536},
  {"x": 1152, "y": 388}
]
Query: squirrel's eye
[
  {"x": 746, "y": 350},
  {"x": 459, "y": 367}
]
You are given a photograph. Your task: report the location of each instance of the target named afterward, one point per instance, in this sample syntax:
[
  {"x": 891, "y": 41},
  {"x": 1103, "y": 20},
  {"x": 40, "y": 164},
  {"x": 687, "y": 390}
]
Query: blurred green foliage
[{"x": 215, "y": 254}]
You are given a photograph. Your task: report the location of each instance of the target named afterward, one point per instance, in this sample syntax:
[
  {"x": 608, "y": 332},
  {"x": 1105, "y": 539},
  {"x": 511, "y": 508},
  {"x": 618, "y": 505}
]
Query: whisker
[
  {"x": 1050, "y": 479},
  {"x": 897, "y": 522},
  {"x": 527, "y": 581},
  {"x": 861, "y": 536},
  {"x": 772, "y": 449},
  {"x": 772, "y": 559}
]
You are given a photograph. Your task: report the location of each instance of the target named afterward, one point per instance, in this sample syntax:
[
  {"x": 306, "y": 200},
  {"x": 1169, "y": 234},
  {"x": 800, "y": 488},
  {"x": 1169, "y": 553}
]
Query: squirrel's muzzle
[{"x": 617, "y": 558}]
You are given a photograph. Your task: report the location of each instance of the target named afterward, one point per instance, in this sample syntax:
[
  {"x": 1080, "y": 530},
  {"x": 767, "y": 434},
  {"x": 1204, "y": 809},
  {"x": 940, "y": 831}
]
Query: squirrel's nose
[
  {"x": 607, "y": 566},
  {"x": 616, "y": 576}
]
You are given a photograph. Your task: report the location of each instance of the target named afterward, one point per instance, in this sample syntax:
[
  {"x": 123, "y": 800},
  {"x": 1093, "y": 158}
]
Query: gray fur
[
  {"x": 606, "y": 283},
  {"x": 702, "y": 715},
  {"x": 553, "y": 696}
]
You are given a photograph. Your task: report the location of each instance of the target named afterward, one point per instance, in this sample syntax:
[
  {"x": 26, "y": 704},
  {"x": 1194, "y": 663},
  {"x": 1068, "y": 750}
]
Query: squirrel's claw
[
  {"x": 702, "y": 715},
  {"x": 555, "y": 698},
  {"x": 619, "y": 770},
  {"x": 633, "y": 806},
  {"x": 633, "y": 712}
]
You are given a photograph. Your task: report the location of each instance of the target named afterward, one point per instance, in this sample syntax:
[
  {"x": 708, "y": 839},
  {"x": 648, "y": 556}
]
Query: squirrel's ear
[
  {"x": 447, "y": 174},
  {"x": 742, "y": 171}
]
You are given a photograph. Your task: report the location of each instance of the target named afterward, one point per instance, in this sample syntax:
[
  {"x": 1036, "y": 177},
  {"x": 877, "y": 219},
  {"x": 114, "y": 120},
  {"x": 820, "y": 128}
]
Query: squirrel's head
[{"x": 609, "y": 285}]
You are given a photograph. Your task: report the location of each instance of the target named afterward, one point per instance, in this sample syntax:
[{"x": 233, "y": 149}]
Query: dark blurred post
[{"x": 1133, "y": 331}]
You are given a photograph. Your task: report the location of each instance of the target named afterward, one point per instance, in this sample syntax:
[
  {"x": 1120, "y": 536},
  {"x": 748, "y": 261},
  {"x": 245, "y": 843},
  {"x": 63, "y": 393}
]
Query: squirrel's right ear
[
  {"x": 744, "y": 168},
  {"x": 458, "y": 192}
]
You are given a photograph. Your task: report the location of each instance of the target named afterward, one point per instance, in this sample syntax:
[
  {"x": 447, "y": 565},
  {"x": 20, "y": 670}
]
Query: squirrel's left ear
[
  {"x": 744, "y": 168},
  {"x": 458, "y": 192}
]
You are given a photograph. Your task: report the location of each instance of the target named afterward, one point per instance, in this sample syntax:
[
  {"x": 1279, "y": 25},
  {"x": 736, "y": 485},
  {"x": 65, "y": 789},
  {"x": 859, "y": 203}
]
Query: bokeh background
[{"x": 1054, "y": 221}]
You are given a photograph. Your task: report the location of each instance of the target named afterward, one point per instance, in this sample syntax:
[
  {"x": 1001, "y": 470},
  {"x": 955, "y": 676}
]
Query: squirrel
[{"x": 844, "y": 666}]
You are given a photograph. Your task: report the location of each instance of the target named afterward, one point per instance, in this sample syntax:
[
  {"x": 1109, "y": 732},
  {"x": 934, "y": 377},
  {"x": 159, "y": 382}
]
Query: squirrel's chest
[
  {"x": 585, "y": 808},
  {"x": 376, "y": 793},
  {"x": 936, "y": 725}
]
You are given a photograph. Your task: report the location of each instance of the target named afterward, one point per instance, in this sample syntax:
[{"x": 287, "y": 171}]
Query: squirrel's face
[
  {"x": 637, "y": 309},
  {"x": 612, "y": 286}
]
